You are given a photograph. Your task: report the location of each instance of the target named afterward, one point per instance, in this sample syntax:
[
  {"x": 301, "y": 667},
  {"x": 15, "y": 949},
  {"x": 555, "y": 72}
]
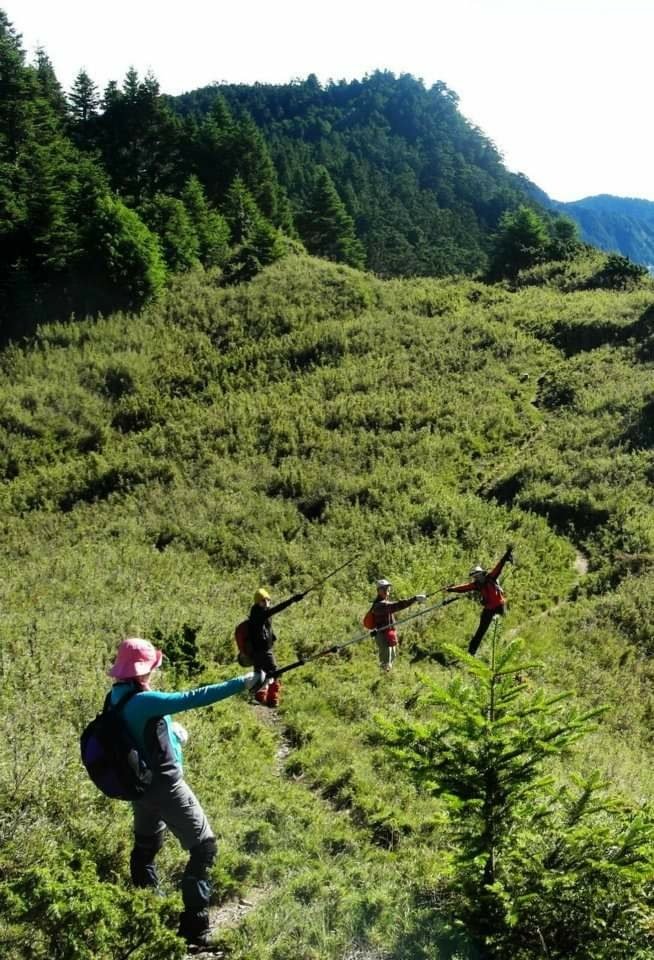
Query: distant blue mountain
[{"x": 618, "y": 224}]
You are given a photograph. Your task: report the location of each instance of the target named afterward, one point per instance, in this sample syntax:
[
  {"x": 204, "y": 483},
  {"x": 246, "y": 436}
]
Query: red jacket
[
  {"x": 491, "y": 595},
  {"x": 384, "y": 610}
]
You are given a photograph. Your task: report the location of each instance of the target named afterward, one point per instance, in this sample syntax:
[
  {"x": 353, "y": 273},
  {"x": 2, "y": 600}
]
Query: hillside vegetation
[{"x": 157, "y": 468}]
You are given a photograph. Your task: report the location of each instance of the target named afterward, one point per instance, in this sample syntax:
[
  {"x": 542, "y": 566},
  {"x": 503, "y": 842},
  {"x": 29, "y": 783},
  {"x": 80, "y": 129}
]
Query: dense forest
[
  {"x": 201, "y": 394},
  {"x": 425, "y": 188},
  {"x": 105, "y": 196}
]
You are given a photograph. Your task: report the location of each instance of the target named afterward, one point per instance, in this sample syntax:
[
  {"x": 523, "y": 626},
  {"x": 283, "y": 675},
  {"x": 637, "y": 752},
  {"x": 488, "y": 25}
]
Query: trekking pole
[
  {"x": 319, "y": 583},
  {"x": 336, "y": 648},
  {"x": 440, "y": 590}
]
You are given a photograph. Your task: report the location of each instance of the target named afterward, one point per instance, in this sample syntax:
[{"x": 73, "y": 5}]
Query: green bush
[{"x": 129, "y": 254}]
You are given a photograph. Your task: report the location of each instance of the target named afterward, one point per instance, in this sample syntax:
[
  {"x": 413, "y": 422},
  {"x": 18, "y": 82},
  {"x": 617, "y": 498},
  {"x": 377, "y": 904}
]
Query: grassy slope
[{"x": 157, "y": 469}]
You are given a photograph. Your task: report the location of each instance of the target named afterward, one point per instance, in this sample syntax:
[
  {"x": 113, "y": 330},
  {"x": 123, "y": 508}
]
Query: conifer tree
[
  {"x": 254, "y": 239},
  {"x": 131, "y": 85},
  {"x": 326, "y": 227},
  {"x": 38, "y": 237},
  {"x": 240, "y": 211},
  {"x": 48, "y": 84},
  {"x": 220, "y": 114},
  {"x": 16, "y": 90},
  {"x": 111, "y": 96},
  {"x": 250, "y": 158},
  {"x": 139, "y": 139},
  {"x": 209, "y": 150},
  {"x": 564, "y": 243},
  {"x": 169, "y": 219},
  {"x": 538, "y": 864},
  {"x": 83, "y": 98},
  {"x": 211, "y": 228},
  {"x": 522, "y": 241}
]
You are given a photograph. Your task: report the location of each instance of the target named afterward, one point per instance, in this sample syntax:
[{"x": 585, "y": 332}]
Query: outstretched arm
[
  {"x": 461, "y": 587},
  {"x": 156, "y": 703},
  {"x": 507, "y": 557},
  {"x": 271, "y": 611}
]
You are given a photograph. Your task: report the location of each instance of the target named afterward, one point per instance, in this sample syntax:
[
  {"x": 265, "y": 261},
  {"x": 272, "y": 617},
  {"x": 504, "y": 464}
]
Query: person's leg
[
  {"x": 149, "y": 835},
  {"x": 484, "y": 623},
  {"x": 185, "y": 818},
  {"x": 392, "y": 655},
  {"x": 264, "y": 660},
  {"x": 382, "y": 651},
  {"x": 141, "y": 861},
  {"x": 196, "y": 891}
]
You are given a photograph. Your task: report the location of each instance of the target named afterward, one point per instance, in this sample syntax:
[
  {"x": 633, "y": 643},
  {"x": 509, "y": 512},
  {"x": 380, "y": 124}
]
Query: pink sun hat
[{"x": 135, "y": 658}]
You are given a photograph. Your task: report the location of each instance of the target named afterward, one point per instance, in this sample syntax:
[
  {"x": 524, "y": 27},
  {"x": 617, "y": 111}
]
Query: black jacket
[{"x": 261, "y": 635}]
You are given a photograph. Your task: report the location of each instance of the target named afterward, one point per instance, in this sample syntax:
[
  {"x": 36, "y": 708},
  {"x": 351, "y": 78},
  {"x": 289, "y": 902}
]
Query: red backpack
[
  {"x": 242, "y": 637},
  {"x": 369, "y": 621}
]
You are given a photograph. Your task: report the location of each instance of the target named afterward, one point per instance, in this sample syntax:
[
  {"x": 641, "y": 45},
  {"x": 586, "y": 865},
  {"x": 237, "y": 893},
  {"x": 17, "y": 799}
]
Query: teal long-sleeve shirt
[{"x": 147, "y": 717}]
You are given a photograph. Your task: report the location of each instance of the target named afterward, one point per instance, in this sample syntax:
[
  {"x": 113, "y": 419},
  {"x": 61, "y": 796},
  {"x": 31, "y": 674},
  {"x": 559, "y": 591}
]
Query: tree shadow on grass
[{"x": 431, "y": 936}]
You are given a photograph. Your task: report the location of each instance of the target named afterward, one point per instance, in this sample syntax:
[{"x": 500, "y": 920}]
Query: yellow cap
[{"x": 261, "y": 594}]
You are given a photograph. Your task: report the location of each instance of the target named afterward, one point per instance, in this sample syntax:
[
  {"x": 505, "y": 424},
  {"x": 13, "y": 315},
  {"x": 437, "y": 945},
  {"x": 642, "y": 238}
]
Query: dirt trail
[
  {"x": 581, "y": 564},
  {"x": 232, "y": 913}
]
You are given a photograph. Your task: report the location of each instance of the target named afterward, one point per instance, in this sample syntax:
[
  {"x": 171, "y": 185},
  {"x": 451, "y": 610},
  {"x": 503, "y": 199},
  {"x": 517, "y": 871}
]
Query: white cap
[
  {"x": 383, "y": 583},
  {"x": 476, "y": 571}
]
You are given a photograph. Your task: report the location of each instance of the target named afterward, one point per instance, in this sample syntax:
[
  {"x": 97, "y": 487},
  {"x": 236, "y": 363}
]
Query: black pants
[
  {"x": 485, "y": 621},
  {"x": 263, "y": 659}
]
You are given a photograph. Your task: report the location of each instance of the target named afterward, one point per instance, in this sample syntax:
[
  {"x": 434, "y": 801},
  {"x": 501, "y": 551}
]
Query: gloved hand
[
  {"x": 299, "y": 596},
  {"x": 420, "y": 597},
  {"x": 448, "y": 588},
  {"x": 508, "y": 556},
  {"x": 255, "y": 680}
]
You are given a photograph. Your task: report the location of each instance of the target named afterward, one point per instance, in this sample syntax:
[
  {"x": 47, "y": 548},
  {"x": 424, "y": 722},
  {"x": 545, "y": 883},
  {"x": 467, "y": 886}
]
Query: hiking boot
[
  {"x": 200, "y": 942},
  {"x": 272, "y": 697},
  {"x": 261, "y": 696},
  {"x": 195, "y": 929}
]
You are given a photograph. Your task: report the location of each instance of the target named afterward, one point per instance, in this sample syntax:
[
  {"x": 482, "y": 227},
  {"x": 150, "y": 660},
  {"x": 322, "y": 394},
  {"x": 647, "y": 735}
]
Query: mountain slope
[
  {"x": 156, "y": 470},
  {"x": 619, "y": 224},
  {"x": 426, "y": 188}
]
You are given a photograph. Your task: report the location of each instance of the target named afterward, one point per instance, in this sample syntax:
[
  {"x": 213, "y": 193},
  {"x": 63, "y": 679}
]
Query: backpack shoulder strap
[{"x": 117, "y": 707}]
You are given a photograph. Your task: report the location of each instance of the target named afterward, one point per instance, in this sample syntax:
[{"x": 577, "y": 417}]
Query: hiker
[
  {"x": 262, "y": 638},
  {"x": 491, "y": 595},
  {"x": 383, "y": 612},
  {"x": 168, "y": 802}
]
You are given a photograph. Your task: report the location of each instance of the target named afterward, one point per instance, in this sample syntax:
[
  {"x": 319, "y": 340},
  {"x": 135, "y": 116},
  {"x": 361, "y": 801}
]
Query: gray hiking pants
[
  {"x": 174, "y": 806},
  {"x": 386, "y": 654}
]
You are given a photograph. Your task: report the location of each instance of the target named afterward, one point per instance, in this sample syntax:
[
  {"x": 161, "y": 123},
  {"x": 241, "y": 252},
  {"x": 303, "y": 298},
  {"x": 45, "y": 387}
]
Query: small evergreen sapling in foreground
[{"x": 541, "y": 869}]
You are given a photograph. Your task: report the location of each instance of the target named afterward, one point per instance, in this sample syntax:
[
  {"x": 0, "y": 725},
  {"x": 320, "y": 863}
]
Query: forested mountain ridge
[
  {"x": 425, "y": 187},
  {"x": 157, "y": 467},
  {"x": 614, "y": 224},
  {"x": 620, "y": 224},
  {"x": 106, "y": 196}
]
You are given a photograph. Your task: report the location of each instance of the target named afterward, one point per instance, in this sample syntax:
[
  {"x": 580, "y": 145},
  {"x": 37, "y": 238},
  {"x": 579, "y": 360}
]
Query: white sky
[{"x": 562, "y": 87}]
